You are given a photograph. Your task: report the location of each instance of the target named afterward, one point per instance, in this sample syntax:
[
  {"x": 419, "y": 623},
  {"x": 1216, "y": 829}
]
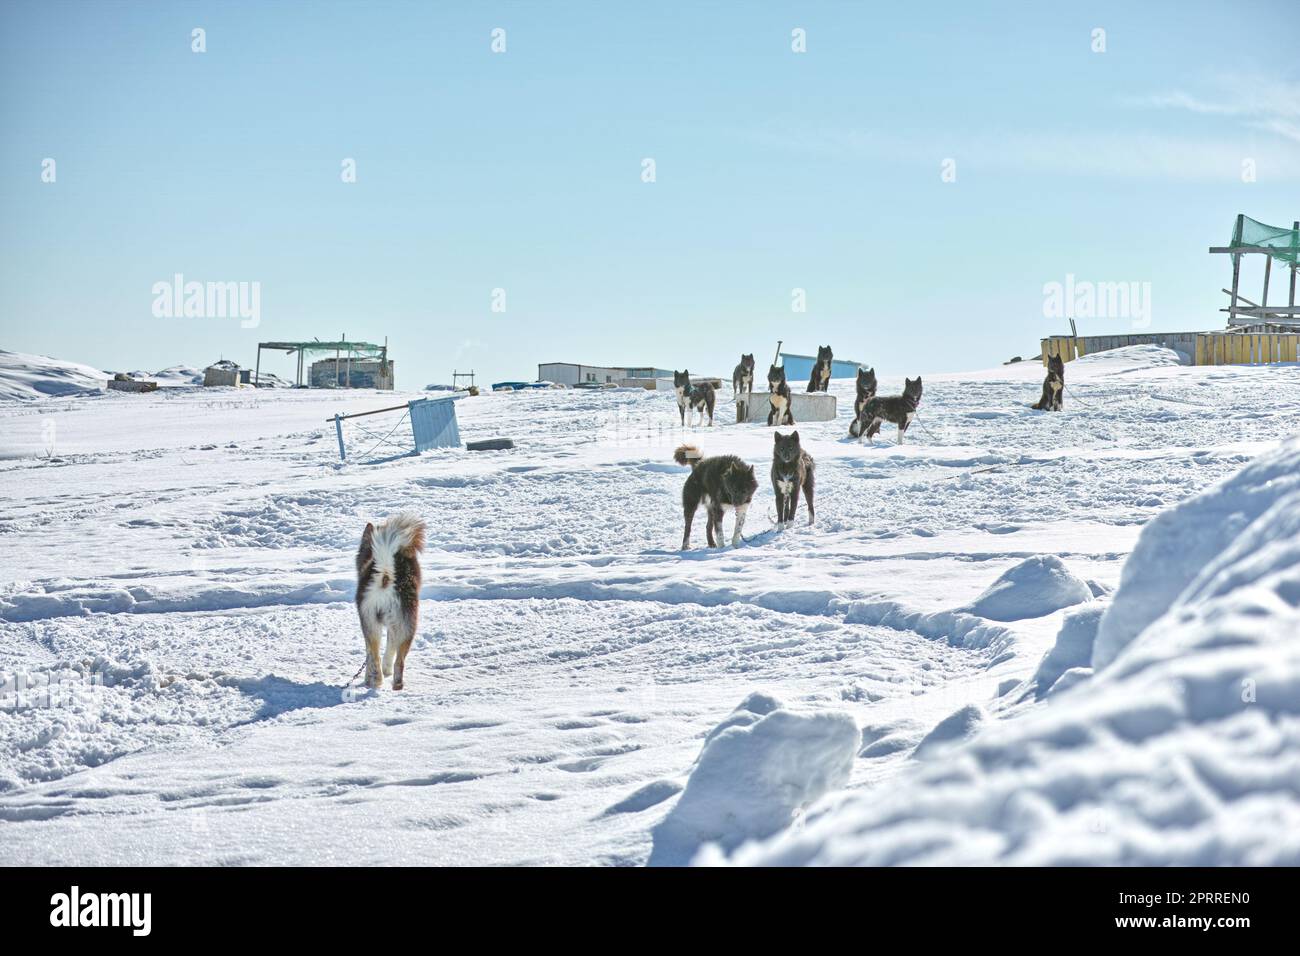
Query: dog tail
[
  {"x": 402, "y": 532},
  {"x": 687, "y": 455}
]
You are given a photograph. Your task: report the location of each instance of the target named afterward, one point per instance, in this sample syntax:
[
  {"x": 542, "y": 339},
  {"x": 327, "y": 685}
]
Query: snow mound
[
  {"x": 754, "y": 776},
  {"x": 24, "y": 377},
  {"x": 1073, "y": 647},
  {"x": 953, "y": 729},
  {"x": 1183, "y": 748},
  {"x": 1034, "y": 587},
  {"x": 1128, "y": 359},
  {"x": 1177, "y": 547},
  {"x": 177, "y": 375}
]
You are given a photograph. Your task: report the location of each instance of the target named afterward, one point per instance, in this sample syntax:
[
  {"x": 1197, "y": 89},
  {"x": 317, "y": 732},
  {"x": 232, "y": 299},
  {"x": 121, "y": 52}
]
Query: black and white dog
[
  {"x": 866, "y": 392},
  {"x": 899, "y": 409},
  {"x": 742, "y": 379},
  {"x": 1053, "y": 399},
  {"x": 720, "y": 483},
  {"x": 779, "y": 397},
  {"x": 820, "y": 380},
  {"x": 697, "y": 398},
  {"x": 792, "y": 469},
  {"x": 388, "y": 594}
]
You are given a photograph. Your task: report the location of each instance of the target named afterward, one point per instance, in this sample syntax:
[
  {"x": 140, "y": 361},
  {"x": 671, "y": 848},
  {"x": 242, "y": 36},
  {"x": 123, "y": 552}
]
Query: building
[
  {"x": 569, "y": 373},
  {"x": 352, "y": 373},
  {"x": 226, "y": 373},
  {"x": 799, "y": 367}
]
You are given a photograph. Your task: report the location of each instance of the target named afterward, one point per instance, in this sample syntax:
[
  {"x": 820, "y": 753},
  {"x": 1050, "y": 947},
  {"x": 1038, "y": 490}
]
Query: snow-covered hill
[
  {"x": 24, "y": 377},
  {"x": 946, "y": 666}
]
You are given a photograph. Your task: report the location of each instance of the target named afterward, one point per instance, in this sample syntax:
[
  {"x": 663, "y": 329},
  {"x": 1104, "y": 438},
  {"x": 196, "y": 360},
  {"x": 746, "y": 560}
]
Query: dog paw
[{"x": 398, "y": 684}]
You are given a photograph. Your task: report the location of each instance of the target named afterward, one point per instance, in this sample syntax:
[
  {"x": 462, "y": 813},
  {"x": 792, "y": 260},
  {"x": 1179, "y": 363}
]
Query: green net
[{"x": 1283, "y": 244}]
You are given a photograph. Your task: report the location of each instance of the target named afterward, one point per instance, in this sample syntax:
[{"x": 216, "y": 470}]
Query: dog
[
  {"x": 779, "y": 397},
  {"x": 899, "y": 409},
  {"x": 742, "y": 379},
  {"x": 697, "y": 398},
  {"x": 1053, "y": 399},
  {"x": 388, "y": 594},
  {"x": 720, "y": 483},
  {"x": 792, "y": 469},
  {"x": 866, "y": 392},
  {"x": 820, "y": 379}
]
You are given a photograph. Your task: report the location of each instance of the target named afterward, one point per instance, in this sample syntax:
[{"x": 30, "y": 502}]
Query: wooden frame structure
[{"x": 1252, "y": 313}]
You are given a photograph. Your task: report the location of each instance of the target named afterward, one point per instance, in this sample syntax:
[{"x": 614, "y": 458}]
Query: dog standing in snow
[
  {"x": 792, "y": 470},
  {"x": 388, "y": 594},
  {"x": 695, "y": 398},
  {"x": 1053, "y": 399},
  {"x": 866, "y": 392},
  {"x": 898, "y": 409},
  {"x": 720, "y": 483}
]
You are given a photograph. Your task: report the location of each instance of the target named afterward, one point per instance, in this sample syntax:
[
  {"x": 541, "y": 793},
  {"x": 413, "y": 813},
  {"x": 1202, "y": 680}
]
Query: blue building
[{"x": 798, "y": 368}]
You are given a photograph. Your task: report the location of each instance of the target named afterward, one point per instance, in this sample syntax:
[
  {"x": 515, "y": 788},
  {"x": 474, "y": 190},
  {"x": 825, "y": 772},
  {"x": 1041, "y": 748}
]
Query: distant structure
[
  {"x": 798, "y": 368},
  {"x": 121, "y": 382},
  {"x": 571, "y": 373},
  {"x": 1255, "y": 333},
  {"x": 354, "y": 364},
  {"x": 226, "y": 373},
  {"x": 1249, "y": 236}
]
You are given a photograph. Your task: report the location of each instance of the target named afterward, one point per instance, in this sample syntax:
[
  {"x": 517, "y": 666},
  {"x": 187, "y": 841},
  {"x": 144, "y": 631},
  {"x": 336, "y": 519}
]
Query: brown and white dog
[{"x": 388, "y": 594}]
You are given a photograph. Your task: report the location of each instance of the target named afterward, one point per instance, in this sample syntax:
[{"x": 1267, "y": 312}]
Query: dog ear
[{"x": 794, "y": 436}]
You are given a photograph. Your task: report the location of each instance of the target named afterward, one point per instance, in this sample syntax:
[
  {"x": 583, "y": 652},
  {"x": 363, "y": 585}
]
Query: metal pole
[
  {"x": 338, "y": 428},
  {"x": 1295, "y": 258},
  {"x": 257, "y": 369}
]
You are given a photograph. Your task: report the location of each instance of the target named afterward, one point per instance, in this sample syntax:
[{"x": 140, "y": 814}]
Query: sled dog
[
  {"x": 866, "y": 392},
  {"x": 694, "y": 398},
  {"x": 1053, "y": 386},
  {"x": 898, "y": 409},
  {"x": 742, "y": 379},
  {"x": 820, "y": 379},
  {"x": 778, "y": 397},
  {"x": 388, "y": 594},
  {"x": 792, "y": 469},
  {"x": 720, "y": 483}
]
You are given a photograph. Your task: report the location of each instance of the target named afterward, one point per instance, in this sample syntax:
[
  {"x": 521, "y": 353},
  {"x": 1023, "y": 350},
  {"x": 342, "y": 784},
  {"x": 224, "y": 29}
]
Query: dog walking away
[
  {"x": 792, "y": 469},
  {"x": 742, "y": 379},
  {"x": 388, "y": 594},
  {"x": 1053, "y": 399},
  {"x": 820, "y": 380},
  {"x": 866, "y": 392},
  {"x": 721, "y": 483},
  {"x": 696, "y": 398},
  {"x": 779, "y": 397},
  {"x": 899, "y": 409}
]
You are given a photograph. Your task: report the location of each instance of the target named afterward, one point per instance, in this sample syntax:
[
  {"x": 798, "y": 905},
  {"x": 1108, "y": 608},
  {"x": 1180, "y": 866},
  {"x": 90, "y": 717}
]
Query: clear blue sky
[{"x": 522, "y": 171}]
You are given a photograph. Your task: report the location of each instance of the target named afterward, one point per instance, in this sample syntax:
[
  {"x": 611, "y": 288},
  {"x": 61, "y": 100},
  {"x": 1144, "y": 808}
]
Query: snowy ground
[{"x": 176, "y": 628}]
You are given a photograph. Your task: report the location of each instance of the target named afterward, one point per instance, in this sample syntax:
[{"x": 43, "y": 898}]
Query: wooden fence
[
  {"x": 1203, "y": 348},
  {"x": 1235, "y": 348}
]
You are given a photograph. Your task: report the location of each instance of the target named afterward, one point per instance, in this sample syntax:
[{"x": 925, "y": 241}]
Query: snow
[
  {"x": 24, "y": 377},
  {"x": 755, "y": 774},
  {"x": 177, "y": 631}
]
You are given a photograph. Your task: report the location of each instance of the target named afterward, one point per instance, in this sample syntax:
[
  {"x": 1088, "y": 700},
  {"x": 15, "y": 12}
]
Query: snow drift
[
  {"x": 24, "y": 377},
  {"x": 757, "y": 770},
  {"x": 1183, "y": 748}
]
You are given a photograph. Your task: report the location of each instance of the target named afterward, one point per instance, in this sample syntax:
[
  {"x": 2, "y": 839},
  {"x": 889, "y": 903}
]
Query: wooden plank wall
[{"x": 1234, "y": 348}]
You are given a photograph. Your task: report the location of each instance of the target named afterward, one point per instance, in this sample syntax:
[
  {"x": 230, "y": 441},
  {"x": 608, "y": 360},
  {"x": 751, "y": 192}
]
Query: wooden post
[
  {"x": 1236, "y": 264},
  {"x": 338, "y": 429},
  {"x": 258, "y": 367},
  {"x": 1268, "y": 271},
  {"x": 1295, "y": 257}
]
